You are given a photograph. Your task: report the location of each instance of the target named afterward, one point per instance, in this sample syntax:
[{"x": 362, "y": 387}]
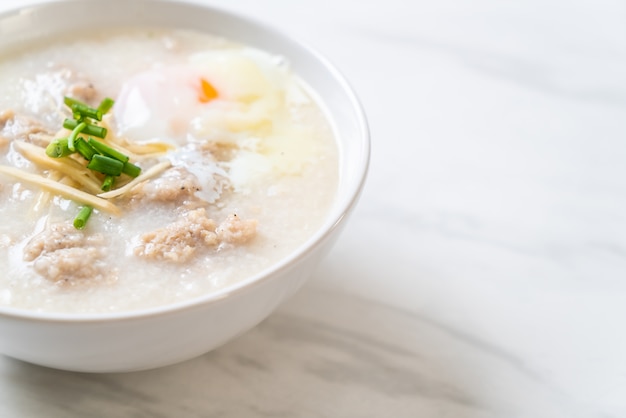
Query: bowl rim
[{"x": 339, "y": 210}]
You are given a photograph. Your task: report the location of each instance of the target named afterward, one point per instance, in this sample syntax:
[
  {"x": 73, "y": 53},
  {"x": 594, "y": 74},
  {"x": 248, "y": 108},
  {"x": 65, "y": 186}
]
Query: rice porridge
[{"x": 212, "y": 162}]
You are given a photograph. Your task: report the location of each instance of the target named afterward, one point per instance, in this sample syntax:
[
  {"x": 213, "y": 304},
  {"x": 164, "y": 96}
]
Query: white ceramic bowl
[{"x": 169, "y": 334}]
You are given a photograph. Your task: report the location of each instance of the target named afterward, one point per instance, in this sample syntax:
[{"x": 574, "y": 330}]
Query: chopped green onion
[
  {"x": 108, "y": 183},
  {"x": 83, "y": 216},
  {"x": 69, "y": 102},
  {"x": 106, "y": 105},
  {"x": 101, "y": 157},
  {"x": 77, "y": 106},
  {"x": 70, "y": 139},
  {"x": 84, "y": 148},
  {"x": 58, "y": 148},
  {"x": 86, "y": 111},
  {"x": 106, "y": 165},
  {"x": 107, "y": 150},
  {"x": 131, "y": 169},
  {"x": 94, "y": 130}
]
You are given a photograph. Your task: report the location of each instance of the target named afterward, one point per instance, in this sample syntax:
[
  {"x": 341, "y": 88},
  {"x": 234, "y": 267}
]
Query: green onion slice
[
  {"x": 58, "y": 148},
  {"x": 84, "y": 148},
  {"x": 131, "y": 169},
  {"x": 85, "y": 111},
  {"x": 70, "y": 101},
  {"x": 107, "y": 150},
  {"x": 83, "y": 216},
  {"x": 108, "y": 183},
  {"x": 106, "y": 105},
  {"x": 94, "y": 130},
  {"x": 106, "y": 165},
  {"x": 70, "y": 139}
]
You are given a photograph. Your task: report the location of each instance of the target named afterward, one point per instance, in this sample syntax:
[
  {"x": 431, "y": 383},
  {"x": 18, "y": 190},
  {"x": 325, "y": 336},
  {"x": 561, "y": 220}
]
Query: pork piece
[
  {"x": 5, "y": 116},
  {"x": 83, "y": 90},
  {"x": 63, "y": 253},
  {"x": 64, "y": 81},
  {"x": 178, "y": 241},
  {"x": 235, "y": 230},
  {"x": 69, "y": 265},
  {"x": 43, "y": 93},
  {"x": 174, "y": 185},
  {"x": 181, "y": 186},
  {"x": 14, "y": 126},
  {"x": 220, "y": 150}
]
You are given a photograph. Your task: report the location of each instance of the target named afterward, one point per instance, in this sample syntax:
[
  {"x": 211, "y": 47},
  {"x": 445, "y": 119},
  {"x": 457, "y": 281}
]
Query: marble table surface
[{"x": 483, "y": 274}]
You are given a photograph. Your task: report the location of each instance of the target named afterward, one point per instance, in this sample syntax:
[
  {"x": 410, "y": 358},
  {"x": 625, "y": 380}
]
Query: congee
[{"x": 146, "y": 167}]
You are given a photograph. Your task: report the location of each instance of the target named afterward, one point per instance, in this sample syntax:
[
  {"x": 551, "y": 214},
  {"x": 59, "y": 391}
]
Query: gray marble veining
[{"x": 352, "y": 358}]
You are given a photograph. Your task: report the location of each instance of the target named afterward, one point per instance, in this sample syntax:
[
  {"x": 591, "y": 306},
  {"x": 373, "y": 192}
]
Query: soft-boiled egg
[
  {"x": 159, "y": 103},
  {"x": 231, "y": 97},
  {"x": 212, "y": 90}
]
